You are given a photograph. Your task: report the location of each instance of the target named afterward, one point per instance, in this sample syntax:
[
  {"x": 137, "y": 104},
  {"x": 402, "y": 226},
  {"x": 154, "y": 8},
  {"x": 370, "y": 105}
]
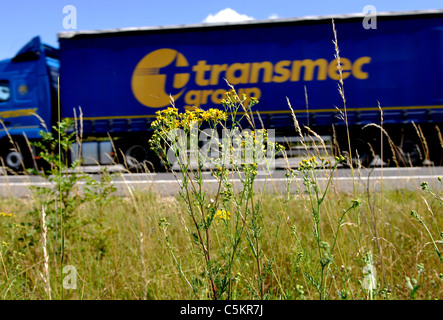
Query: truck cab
[{"x": 28, "y": 99}]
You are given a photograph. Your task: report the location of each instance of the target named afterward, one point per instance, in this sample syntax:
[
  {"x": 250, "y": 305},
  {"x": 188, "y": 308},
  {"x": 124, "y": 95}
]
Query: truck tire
[
  {"x": 138, "y": 157},
  {"x": 18, "y": 157},
  {"x": 362, "y": 154},
  {"x": 409, "y": 153}
]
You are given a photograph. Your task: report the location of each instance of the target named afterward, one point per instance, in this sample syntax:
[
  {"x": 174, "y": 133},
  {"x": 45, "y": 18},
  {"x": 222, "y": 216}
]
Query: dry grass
[{"x": 132, "y": 261}]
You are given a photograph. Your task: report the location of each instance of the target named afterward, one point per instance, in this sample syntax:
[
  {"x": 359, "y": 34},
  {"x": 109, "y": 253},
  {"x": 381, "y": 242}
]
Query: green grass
[{"x": 121, "y": 253}]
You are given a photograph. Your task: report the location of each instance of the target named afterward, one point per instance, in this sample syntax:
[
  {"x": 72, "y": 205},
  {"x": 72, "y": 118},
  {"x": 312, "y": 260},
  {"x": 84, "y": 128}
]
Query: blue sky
[{"x": 20, "y": 20}]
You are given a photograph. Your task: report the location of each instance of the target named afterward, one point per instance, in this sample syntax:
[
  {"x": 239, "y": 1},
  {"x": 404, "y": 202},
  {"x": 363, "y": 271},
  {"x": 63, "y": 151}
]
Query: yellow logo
[
  {"x": 23, "y": 89},
  {"x": 166, "y": 72},
  {"x": 152, "y": 83}
]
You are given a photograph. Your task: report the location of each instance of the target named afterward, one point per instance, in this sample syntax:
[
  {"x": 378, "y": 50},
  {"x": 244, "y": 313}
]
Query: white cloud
[
  {"x": 274, "y": 16},
  {"x": 227, "y": 15}
]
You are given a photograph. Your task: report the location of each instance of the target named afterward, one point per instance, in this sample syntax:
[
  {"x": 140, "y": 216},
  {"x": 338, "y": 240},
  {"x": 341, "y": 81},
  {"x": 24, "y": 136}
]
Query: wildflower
[
  {"x": 279, "y": 147},
  {"x": 213, "y": 115},
  {"x": 325, "y": 246},
  {"x": 290, "y": 173},
  {"x": 424, "y": 185},
  {"x": 222, "y": 215},
  {"x": 307, "y": 164},
  {"x": 198, "y": 111},
  {"x": 254, "y": 100},
  {"x": 189, "y": 118},
  {"x": 340, "y": 159},
  {"x": 356, "y": 203},
  {"x": 253, "y": 165},
  {"x": 416, "y": 216},
  {"x": 299, "y": 289},
  {"x": 163, "y": 223},
  {"x": 9, "y": 215}
]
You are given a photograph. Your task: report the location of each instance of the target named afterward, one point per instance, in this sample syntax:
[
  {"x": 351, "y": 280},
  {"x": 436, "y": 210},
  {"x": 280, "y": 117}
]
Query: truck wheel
[
  {"x": 16, "y": 158},
  {"x": 409, "y": 153},
  {"x": 362, "y": 153},
  {"x": 138, "y": 157}
]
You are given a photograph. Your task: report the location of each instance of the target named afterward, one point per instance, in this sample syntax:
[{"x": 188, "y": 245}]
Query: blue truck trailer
[{"x": 117, "y": 79}]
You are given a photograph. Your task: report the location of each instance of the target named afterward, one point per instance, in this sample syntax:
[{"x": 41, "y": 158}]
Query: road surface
[{"x": 166, "y": 183}]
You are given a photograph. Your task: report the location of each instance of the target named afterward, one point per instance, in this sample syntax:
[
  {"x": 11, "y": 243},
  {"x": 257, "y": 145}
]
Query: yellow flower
[
  {"x": 9, "y": 215},
  {"x": 213, "y": 115},
  {"x": 222, "y": 215},
  {"x": 198, "y": 110}
]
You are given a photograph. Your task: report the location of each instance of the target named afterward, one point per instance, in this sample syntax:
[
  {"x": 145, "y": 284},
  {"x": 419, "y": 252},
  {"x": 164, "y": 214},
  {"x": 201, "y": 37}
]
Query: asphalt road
[{"x": 166, "y": 183}]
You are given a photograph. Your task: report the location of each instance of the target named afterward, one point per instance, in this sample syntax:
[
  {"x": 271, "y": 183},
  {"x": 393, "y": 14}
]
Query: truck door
[
  {"x": 17, "y": 112},
  {"x": 24, "y": 93}
]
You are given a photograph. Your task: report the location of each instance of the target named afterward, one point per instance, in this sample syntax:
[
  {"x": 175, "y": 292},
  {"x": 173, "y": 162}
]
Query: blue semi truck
[{"x": 117, "y": 79}]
